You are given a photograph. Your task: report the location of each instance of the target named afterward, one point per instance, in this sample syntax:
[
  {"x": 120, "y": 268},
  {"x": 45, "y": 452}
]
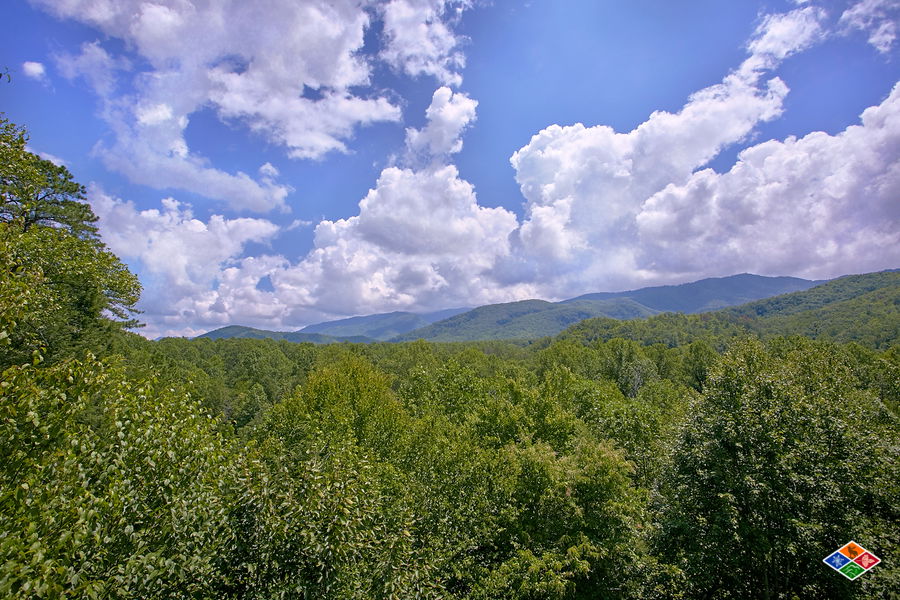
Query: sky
[{"x": 285, "y": 162}]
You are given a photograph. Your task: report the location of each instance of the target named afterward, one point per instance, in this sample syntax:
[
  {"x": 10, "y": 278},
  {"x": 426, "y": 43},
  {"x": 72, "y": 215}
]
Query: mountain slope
[
  {"x": 871, "y": 319},
  {"x": 526, "y": 319},
  {"x": 708, "y": 294},
  {"x": 836, "y": 290},
  {"x": 537, "y": 318},
  {"x": 381, "y": 326},
  {"x": 860, "y": 308},
  {"x": 845, "y": 312},
  {"x": 239, "y": 331}
]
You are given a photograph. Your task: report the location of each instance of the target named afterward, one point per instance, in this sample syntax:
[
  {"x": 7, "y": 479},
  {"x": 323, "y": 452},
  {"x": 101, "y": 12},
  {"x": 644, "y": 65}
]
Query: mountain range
[
  {"x": 382, "y": 327},
  {"x": 528, "y": 319},
  {"x": 855, "y": 308}
]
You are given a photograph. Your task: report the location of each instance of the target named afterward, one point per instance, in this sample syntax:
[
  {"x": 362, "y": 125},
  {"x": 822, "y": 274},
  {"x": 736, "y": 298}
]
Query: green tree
[
  {"x": 63, "y": 290},
  {"x": 783, "y": 460},
  {"x": 698, "y": 359},
  {"x": 109, "y": 488},
  {"x": 34, "y": 191},
  {"x": 624, "y": 363}
]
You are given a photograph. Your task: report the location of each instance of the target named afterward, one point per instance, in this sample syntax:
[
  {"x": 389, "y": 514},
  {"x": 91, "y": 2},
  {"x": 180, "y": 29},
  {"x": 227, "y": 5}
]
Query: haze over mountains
[
  {"x": 535, "y": 318},
  {"x": 382, "y": 326}
]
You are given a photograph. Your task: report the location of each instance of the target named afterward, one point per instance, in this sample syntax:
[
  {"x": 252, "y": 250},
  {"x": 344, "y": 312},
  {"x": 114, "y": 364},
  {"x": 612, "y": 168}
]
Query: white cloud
[
  {"x": 817, "y": 206},
  {"x": 420, "y": 41},
  {"x": 189, "y": 264},
  {"x": 293, "y": 71},
  {"x": 34, "y": 70},
  {"x": 95, "y": 65},
  {"x": 780, "y": 35},
  {"x": 877, "y": 18},
  {"x": 420, "y": 240},
  {"x": 297, "y": 223},
  {"x": 604, "y": 210},
  {"x": 448, "y": 115},
  {"x": 585, "y": 186},
  {"x": 268, "y": 170},
  {"x": 161, "y": 161},
  {"x": 59, "y": 162},
  {"x": 149, "y": 146}
]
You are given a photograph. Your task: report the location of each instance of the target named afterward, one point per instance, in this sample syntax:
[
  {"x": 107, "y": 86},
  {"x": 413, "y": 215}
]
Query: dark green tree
[
  {"x": 34, "y": 191},
  {"x": 783, "y": 460},
  {"x": 62, "y": 289}
]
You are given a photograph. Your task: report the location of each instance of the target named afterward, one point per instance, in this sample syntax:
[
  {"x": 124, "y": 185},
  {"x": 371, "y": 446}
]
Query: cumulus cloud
[
  {"x": 585, "y": 186},
  {"x": 294, "y": 72},
  {"x": 448, "y": 115},
  {"x": 191, "y": 268},
  {"x": 780, "y": 35},
  {"x": 420, "y": 240},
  {"x": 877, "y": 18},
  {"x": 149, "y": 146},
  {"x": 419, "y": 40},
  {"x": 817, "y": 206},
  {"x": 604, "y": 210}
]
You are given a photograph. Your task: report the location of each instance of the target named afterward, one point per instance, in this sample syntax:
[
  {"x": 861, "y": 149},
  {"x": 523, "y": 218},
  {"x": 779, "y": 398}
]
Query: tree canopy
[{"x": 61, "y": 288}]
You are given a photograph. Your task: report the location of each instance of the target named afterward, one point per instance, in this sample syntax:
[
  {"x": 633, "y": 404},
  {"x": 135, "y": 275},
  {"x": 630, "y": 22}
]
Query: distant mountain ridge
[
  {"x": 239, "y": 331},
  {"x": 524, "y": 319},
  {"x": 382, "y": 326},
  {"x": 854, "y": 308},
  {"x": 364, "y": 329},
  {"x": 529, "y": 319},
  {"x": 708, "y": 294}
]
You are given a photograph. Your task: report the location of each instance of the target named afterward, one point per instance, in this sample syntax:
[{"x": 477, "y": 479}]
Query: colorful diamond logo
[{"x": 851, "y": 560}]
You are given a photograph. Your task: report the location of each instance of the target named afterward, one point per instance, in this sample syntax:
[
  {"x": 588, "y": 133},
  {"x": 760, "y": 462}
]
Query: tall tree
[
  {"x": 62, "y": 289},
  {"x": 34, "y": 191}
]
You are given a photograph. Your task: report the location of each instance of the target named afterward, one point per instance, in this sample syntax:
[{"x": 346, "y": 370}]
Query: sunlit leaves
[
  {"x": 110, "y": 489},
  {"x": 783, "y": 456}
]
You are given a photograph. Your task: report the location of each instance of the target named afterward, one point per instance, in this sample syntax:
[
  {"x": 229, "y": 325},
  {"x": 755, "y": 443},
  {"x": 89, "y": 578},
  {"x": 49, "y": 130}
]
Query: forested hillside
[
  {"x": 239, "y": 331},
  {"x": 523, "y": 320},
  {"x": 383, "y": 326},
  {"x": 708, "y": 294},
  {"x": 858, "y": 308},
  {"x": 678, "y": 456},
  {"x": 530, "y": 319}
]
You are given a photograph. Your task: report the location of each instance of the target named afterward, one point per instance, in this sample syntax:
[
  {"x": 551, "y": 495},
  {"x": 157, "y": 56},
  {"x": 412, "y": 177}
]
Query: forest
[{"x": 704, "y": 456}]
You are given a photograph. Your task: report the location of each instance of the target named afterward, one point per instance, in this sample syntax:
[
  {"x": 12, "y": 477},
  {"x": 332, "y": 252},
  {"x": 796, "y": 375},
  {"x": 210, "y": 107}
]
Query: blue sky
[{"x": 282, "y": 163}]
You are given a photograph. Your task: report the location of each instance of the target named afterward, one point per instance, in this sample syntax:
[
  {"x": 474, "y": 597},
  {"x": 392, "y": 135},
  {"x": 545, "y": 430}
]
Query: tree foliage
[
  {"x": 62, "y": 289},
  {"x": 783, "y": 459}
]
